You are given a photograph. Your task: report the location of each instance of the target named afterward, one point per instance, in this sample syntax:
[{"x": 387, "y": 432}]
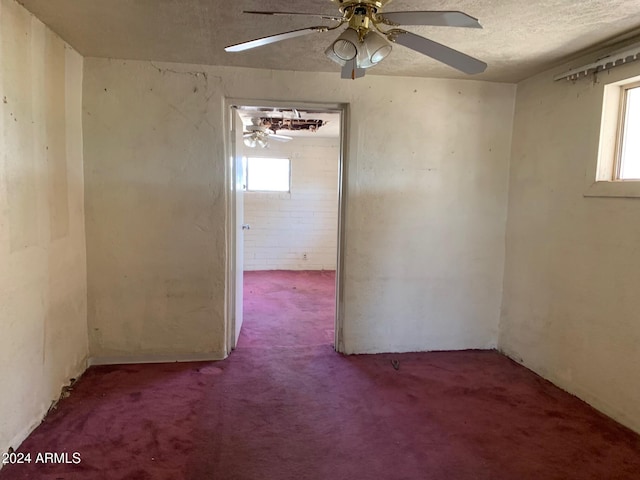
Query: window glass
[
  {"x": 630, "y": 146},
  {"x": 268, "y": 174}
]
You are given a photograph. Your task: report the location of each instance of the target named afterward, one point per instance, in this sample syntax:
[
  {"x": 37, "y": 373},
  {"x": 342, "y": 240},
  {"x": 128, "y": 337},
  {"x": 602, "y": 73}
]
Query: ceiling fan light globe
[
  {"x": 376, "y": 48},
  {"x": 333, "y": 57},
  {"x": 344, "y": 49},
  {"x": 381, "y": 54},
  {"x": 345, "y": 46},
  {"x": 262, "y": 142},
  {"x": 250, "y": 142},
  {"x": 364, "y": 61}
]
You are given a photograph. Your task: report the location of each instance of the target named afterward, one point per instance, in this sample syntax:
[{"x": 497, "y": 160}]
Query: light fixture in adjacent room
[
  {"x": 257, "y": 138},
  {"x": 258, "y": 135},
  {"x": 250, "y": 141}
]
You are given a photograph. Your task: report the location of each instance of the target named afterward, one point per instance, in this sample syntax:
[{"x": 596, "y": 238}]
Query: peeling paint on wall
[{"x": 43, "y": 342}]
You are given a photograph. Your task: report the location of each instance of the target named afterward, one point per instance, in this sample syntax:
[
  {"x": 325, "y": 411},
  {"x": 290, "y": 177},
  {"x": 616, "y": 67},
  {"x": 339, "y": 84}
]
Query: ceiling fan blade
[
  {"x": 437, "y": 19},
  {"x": 442, "y": 53},
  {"x": 337, "y": 18},
  {"x": 280, "y": 138},
  {"x": 259, "y": 42},
  {"x": 351, "y": 70}
]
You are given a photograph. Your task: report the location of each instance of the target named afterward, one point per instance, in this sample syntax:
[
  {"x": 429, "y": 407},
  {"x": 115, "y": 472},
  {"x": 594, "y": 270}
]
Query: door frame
[{"x": 230, "y": 105}]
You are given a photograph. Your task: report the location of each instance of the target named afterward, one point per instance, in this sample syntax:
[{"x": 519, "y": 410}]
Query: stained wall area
[
  {"x": 296, "y": 230},
  {"x": 43, "y": 341},
  {"x": 570, "y": 307},
  {"x": 427, "y": 173},
  {"x": 155, "y": 212}
]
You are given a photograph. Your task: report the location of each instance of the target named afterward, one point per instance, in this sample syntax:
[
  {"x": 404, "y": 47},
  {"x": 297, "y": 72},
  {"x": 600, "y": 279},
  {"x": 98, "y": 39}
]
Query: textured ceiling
[{"x": 519, "y": 37}]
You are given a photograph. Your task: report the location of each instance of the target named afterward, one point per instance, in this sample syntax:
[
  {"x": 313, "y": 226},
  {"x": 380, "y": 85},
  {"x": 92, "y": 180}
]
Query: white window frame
[
  {"x": 606, "y": 172},
  {"x": 622, "y": 131},
  {"x": 246, "y": 174}
]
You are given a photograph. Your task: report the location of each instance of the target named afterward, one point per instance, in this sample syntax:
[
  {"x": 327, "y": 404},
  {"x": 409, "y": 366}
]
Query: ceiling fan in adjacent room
[
  {"x": 371, "y": 33},
  {"x": 258, "y": 135}
]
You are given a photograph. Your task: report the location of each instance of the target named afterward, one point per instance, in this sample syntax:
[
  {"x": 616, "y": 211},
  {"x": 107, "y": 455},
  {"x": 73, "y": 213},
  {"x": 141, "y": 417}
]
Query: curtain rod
[{"x": 614, "y": 59}]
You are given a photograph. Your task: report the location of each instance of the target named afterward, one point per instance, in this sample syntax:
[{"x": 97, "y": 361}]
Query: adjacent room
[
  {"x": 326, "y": 239},
  {"x": 289, "y": 195}
]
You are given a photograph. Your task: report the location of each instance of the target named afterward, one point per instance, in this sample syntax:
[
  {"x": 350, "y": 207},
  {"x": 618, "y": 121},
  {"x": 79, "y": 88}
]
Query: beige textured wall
[
  {"x": 428, "y": 172},
  {"x": 43, "y": 337},
  {"x": 155, "y": 212},
  {"x": 571, "y": 303}
]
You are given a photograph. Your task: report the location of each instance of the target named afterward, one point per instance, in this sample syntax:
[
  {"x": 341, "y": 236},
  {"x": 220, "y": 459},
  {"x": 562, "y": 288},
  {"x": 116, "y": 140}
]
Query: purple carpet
[{"x": 285, "y": 406}]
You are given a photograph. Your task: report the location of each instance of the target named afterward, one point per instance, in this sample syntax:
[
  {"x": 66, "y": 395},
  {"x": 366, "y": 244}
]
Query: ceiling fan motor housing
[{"x": 344, "y": 5}]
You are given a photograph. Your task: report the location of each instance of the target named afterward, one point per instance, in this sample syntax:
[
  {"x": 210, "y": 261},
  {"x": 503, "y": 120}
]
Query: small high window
[
  {"x": 616, "y": 167},
  {"x": 628, "y": 145},
  {"x": 268, "y": 174}
]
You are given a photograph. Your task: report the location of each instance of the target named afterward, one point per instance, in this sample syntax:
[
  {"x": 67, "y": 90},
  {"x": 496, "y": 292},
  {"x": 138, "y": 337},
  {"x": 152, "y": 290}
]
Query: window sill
[{"x": 621, "y": 189}]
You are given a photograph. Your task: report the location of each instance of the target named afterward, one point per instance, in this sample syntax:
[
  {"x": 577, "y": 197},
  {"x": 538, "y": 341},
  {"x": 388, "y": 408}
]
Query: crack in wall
[{"x": 195, "y": 74}]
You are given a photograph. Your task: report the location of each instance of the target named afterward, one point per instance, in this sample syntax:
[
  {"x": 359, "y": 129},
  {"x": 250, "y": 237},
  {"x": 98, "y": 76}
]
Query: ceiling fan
[
  {"x": 258, "y": 135},
  {"x": 370, "y": 34}
]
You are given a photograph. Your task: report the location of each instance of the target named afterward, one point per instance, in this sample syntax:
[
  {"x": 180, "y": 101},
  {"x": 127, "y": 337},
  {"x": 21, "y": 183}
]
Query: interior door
[{"x": 239, "y": 176}]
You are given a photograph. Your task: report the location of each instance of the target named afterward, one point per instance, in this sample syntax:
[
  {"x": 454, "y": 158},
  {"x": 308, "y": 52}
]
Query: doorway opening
[{"x": 286, "y": 235}]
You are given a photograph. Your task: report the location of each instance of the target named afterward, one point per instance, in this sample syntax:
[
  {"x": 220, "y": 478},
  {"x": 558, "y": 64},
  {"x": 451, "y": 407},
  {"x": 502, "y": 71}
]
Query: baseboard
[{"x": 169, "y": 358}]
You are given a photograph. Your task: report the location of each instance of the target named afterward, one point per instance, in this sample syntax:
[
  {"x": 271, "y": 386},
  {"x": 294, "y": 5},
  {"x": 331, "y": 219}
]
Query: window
[
  {"x": 268, "y": 174},
  {"x": 616, "y": 167},
  {"x": 628, "y": 145}
]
